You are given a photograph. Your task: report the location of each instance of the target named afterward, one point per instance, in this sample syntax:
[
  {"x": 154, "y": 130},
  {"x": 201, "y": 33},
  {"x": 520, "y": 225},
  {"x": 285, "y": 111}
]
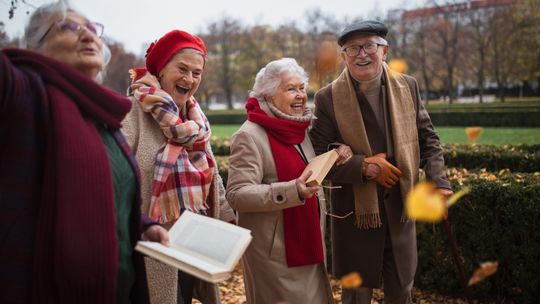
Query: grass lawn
[
  {"x": 448, "y": 135},
  {"x": 495, "y": 136}
]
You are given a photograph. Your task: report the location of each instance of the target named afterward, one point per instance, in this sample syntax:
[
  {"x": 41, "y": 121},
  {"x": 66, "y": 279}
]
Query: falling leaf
[
  {"x": 351, "y": 280},
  {"x": 473, "y": 133},
  {"x": 399, "y": 65},
  {"x": 485, "y": 270},
  {"x": 424, "y": 203},
  {"x": 454, "y": 198}
]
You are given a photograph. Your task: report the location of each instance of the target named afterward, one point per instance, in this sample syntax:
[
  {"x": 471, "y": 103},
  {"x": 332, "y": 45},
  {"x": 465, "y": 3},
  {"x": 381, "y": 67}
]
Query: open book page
[
  {"x": 202, "y": 246},
  {"x": 320, "y": 166},
  {"x": 212, "y": 240}
]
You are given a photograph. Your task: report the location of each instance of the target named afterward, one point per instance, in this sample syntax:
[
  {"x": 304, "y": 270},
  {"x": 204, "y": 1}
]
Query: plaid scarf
[{"x": 184, "y": 167}]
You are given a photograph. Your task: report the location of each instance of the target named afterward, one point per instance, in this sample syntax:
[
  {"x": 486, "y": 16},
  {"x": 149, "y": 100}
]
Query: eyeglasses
[
  {"x": 72, "y": 26},
  {"x": 369, "y": 48}
]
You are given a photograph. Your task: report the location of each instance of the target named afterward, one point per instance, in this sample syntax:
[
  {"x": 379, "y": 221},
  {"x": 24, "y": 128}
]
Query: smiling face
[
  {"x": 182, "y": 76},
  {"x": 364, "y": 67},
  {"x": 80, "y": 49},
  {"x": 290, "y": 96}
]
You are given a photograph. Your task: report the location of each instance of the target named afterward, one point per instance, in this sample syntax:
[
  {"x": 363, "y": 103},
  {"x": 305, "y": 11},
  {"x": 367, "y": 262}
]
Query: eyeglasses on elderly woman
[{"x": 68, "y": 25}]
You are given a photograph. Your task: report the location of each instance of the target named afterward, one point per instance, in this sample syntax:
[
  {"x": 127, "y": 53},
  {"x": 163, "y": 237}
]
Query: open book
[
  {"x": 320, "y": 166},
  {"x": 201, "y": 246}
]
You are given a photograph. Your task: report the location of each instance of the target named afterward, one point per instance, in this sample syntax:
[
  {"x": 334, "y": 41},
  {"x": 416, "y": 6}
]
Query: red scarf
[{"x": 301, "y": 228}]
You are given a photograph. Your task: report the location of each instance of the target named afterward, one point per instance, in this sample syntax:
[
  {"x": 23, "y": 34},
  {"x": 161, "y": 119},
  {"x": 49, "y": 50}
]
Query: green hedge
[
  {"x": 520, "y": 158},
  {"x": 498, "y": 220},
  {"x": 507, "y": 118}
]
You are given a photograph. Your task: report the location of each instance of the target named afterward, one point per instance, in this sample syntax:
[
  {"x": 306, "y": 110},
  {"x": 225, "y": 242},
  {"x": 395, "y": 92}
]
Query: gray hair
[
  {"x": 268, "y": 78},
  {"x": 41, "y": 21}
]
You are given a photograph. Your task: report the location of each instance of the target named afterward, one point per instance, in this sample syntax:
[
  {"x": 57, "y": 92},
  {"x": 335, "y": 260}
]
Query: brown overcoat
[
  {"x": 254, "y": 192},
  {"x": 361, "y": 250}
]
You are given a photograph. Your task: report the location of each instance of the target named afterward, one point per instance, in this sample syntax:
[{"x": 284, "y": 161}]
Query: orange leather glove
[{"x": 388, "y": 174}]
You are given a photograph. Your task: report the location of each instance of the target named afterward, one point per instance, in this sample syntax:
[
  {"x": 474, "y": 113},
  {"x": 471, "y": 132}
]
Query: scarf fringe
[{"x": 368, "y": 220}]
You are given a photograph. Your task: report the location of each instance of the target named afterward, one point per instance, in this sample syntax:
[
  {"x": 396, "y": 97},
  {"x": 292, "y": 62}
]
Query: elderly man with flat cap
[{"x": 379, "y": 114}]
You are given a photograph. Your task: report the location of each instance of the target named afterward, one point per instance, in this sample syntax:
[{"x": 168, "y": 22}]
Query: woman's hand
[
  {"x": 156, "y": 233},
  {"x": 305, "y": 191},
  {"x": 345, "y": 154}
]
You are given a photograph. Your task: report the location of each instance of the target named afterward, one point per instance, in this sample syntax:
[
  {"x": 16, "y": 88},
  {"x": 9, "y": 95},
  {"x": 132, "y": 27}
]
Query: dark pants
[
  {"x": 185, "y": 287},
  {"x": 394, "y": 293}
]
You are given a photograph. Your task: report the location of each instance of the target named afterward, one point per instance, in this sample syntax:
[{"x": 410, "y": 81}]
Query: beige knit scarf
[{"x": 405, "y": 139}]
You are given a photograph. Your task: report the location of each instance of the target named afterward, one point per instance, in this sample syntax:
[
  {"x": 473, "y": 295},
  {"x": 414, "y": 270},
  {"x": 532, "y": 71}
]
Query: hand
[
  {"x": 156, "y": 233},
  {"x": 345, "y": 154},
  {"x": 388, "y": 174},
  {"x": 446, "y": 194},
  {"x": 305, "y": 191}
]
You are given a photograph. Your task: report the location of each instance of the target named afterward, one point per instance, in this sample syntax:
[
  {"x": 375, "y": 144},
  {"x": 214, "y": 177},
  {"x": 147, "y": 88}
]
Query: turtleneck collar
[
  {"x": 280, "y": 114},
  {"x": 368, "y": 86}
]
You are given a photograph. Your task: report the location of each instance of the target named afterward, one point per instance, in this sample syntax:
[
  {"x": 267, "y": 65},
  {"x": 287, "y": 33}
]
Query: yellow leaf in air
[
  {"x": 351, "y": 280},
  {"x": 485, "y": 270},
  {"x": 473, "y": 133},
  {"x": 454, "y": 198},
  {"x": 399, "y": 65},
  {"x": 424, "y": 203}
]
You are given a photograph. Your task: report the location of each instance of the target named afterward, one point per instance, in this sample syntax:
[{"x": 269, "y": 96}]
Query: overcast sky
[{"x": 135, "y": 22}]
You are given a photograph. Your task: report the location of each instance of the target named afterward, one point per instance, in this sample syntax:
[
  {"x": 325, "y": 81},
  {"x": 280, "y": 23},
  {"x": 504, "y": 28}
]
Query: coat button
[{"x": 279, "y": 197}]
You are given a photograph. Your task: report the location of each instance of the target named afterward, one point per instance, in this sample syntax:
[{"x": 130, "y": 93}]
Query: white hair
[
  {"x": 41, "y": 21},
  {"x": 268, "y": 78}
]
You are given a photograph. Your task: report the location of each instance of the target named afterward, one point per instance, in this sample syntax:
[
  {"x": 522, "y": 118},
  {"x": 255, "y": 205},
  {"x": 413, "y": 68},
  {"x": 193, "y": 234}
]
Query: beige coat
[
  {"x": 145, "y": 138},
  {"x": 254, "y": 192}
]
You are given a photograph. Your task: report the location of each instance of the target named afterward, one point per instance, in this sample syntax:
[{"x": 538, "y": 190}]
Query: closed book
[{"x": 320, "y": 166}]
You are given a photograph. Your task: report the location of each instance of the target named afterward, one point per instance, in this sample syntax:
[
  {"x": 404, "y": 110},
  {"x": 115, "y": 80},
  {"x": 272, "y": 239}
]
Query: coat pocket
[{"x": 277, "y": 249}]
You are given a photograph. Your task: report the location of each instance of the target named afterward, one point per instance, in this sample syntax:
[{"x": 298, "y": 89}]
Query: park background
[{"x": 478, "y": 65}]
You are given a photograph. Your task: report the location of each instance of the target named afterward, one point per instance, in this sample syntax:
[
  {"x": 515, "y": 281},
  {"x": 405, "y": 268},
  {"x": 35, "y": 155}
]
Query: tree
[
  {"x": 222, "y": 43},
  {"x": 117, "y": 76}
]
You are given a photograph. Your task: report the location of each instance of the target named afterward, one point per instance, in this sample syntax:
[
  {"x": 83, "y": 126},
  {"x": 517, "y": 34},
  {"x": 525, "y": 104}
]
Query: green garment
[{"x": 124, "y": 182}]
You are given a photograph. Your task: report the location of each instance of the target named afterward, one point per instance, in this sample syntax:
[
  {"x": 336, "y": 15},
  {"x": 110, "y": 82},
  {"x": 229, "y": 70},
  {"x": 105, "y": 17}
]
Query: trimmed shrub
[
  {"x": 497, "y": 221},
  {"x": 520, "y": 158},
  {"x": 506, "y": 118}
]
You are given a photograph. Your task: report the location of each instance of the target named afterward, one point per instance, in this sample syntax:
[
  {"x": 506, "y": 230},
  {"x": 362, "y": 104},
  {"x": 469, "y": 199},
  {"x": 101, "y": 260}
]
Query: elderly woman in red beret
[{"x": 170, "y": 136}]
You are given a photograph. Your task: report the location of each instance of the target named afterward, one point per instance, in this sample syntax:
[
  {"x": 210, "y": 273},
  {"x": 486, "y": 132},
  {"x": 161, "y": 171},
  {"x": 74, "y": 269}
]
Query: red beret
[{"x": 159, "y": 53}]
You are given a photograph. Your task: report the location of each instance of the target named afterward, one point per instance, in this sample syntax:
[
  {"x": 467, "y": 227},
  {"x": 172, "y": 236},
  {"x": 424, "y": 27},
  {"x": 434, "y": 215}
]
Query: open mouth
[
  {"x": 363, "y": 64},
  {"x": 181, "y": 89},
  {"x": 297, "y": 106}
]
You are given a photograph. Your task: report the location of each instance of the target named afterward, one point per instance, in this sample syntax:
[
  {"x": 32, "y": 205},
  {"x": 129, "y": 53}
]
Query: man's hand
[
  {"x": 305, "y": 191},
  {"x": 445, "y": 194},
  {"x": 345, "y": 154},
  {"x": 388, "y": 174},
  {"x": 156, "y": 233}
]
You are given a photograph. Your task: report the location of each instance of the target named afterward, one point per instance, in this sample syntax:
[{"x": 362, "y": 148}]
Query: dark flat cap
[{"x": 367, "y": 26}]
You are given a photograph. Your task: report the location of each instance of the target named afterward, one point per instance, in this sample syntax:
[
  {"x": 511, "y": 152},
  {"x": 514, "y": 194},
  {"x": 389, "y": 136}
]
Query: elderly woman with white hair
[
  {"x": 69, "y": 186},
  {"x": 285, "y": 261}
]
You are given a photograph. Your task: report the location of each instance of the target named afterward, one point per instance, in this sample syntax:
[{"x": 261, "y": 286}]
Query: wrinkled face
[
  {"x": 290, "y": 96},
  {"x": 80, "y": 48},
  {"x": 182, "y": 76},
  {"x": 364, "y": 67}
]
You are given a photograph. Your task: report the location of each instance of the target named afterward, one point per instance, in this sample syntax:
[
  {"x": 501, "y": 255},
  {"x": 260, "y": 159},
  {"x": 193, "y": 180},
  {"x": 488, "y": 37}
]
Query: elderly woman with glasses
[
  {"x": 170, "y": 137},
  {"x": 69, "y": 189},
  {"x": 285, "y": 260}
]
